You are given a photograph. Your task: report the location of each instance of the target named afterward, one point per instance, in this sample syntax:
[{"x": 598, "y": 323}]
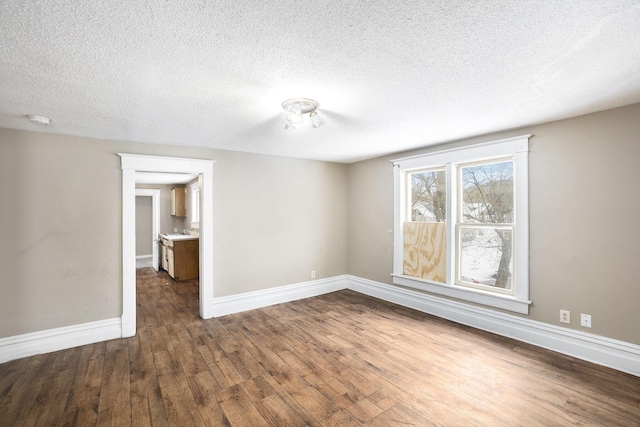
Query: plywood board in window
[{"x": 425, "y": 250}]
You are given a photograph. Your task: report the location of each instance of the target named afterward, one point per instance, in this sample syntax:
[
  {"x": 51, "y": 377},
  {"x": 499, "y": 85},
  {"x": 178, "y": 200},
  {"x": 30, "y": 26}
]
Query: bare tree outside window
[
  {"x": 429, "y": 196},
  {"x": 486, "y": 232}
]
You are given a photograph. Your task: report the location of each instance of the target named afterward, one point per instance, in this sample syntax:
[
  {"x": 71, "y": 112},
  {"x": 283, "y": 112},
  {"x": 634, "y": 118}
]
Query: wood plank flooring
[{"x": 341, "y": 359}]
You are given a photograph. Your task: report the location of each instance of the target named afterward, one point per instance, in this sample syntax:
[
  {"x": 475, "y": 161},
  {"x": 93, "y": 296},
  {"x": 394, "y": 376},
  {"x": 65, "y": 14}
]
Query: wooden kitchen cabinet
[
  {"x": 178, "y": 202},
  {"x": 185, "y": 260},
  {"x": 180, "y": 257}
]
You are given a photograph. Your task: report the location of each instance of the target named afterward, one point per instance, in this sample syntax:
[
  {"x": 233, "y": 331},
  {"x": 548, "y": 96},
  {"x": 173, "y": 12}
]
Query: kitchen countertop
[{"x": 177, "y": 236}]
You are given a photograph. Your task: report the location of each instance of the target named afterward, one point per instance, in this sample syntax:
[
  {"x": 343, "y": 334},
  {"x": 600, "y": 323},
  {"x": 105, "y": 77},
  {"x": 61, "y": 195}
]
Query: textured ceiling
[{"x": 389, "y": 75}]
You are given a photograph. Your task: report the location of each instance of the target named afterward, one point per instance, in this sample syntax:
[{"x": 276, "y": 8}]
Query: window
[
  {"x": 428, "y": 195},
  {"x": 195, "y": 204},
  {"x": 461, "y": 223},
  {"x": 424, "y": 231},
  {"x": 484, "y": 228}
]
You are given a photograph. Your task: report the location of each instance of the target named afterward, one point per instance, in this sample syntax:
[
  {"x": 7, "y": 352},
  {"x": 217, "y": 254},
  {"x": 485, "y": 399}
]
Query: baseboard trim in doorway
[
  {"x": 50, "y": 340},
  {"x": 144, "y": 261},
  {"x": 223, "y": 306}
]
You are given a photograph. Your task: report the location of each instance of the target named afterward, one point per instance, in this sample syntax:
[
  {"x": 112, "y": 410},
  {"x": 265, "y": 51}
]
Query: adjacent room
[{"x": 335, "y": 213}]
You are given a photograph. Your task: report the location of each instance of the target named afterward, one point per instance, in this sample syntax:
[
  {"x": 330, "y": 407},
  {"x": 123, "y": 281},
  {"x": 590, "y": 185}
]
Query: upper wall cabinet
[{"x": 178, "y": 202}]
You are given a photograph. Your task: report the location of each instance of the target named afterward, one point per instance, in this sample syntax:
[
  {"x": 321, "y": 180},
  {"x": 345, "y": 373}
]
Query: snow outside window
[{"x": 461, "y": 223}]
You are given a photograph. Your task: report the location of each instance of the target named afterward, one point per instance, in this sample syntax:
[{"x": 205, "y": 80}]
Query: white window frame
[
  {"x": 518, "y": 149},
  {"x": 194, "y": 193},
  {"x": 462, "y": 225}
]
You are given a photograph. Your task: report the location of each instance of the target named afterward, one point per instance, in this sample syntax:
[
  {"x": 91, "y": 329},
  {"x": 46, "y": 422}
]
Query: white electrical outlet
[
  {"x": 565, "y": 316},
  {"x": 585, "y": 320},
  {"x": 313, "y": 274}
]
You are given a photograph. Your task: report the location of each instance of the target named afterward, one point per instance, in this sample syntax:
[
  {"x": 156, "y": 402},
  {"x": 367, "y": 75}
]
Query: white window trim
[{"x": 518, "y": 147}]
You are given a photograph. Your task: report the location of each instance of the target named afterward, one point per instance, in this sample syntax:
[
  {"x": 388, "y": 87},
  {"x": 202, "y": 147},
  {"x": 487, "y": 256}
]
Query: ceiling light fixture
[
  {"x": 39, "y": 120},
  {"x": 295, "y": 110}
]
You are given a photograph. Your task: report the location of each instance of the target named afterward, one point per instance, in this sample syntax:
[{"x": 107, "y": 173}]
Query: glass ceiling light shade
[
  {"x": 295, "y": 111},
  {"x": 316, "y": 121},
  {"x": 295, "y": 116},
  {"x": 39, "y": 120}
]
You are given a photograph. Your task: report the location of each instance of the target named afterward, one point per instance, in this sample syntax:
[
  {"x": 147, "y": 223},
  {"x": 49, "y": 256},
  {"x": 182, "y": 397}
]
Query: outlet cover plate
[{"x": 565, "y": 316}]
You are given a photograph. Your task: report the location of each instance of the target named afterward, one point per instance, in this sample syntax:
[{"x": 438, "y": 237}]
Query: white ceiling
[{"x": 389, "y": 75}]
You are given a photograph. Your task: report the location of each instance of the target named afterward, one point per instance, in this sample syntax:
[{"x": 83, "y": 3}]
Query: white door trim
[
  {"x": 155, "y": 221},
  {"x": 132, "y": 163}
]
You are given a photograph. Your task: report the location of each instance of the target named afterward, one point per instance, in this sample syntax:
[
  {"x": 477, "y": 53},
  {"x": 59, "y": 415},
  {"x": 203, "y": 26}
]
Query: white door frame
[
  {"x": 132, "y": 163},
  {"x": 155, "y": 221}
]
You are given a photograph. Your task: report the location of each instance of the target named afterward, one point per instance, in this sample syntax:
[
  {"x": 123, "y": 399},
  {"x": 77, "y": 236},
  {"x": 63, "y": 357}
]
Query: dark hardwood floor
[{"x": 341, "y": 359}]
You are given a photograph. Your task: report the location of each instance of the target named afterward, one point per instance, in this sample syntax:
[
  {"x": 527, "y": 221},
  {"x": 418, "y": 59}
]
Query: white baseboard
[
  {"x": 252, "y": 300},
  {"x": 25, "y": 345},
  {"x": 144, "y": 261},
  {"x": 603, "y": 351}
]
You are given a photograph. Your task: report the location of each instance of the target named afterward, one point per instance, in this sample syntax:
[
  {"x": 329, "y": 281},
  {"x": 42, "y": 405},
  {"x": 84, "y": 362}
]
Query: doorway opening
[
  {"x": 132, "y": 164},
  {"x": 147, "y": 239}
]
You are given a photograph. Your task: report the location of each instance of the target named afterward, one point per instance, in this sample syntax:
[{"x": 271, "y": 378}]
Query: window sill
[{"x": 504, "y": 302}]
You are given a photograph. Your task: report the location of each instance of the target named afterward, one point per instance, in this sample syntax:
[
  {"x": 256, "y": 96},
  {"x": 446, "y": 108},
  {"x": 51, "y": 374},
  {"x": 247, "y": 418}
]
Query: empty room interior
[{"x": 331, "y": 213}]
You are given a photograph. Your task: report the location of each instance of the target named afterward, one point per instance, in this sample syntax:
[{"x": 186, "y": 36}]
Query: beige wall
[
  {"x": 282, "y": 219},
  {"x": 144, "y": 225},
  {"x": 275, "y": 220},
  {"x": 584, "y": 231}
]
